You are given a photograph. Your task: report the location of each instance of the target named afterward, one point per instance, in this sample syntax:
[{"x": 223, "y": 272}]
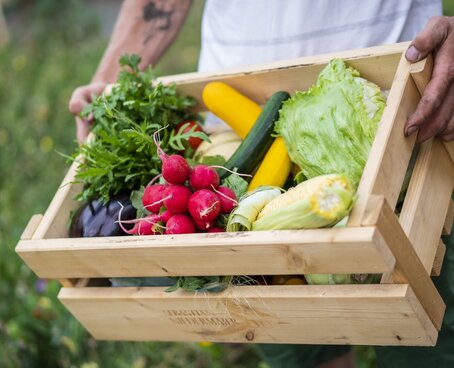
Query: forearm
[{"x": 143, "y": 27}]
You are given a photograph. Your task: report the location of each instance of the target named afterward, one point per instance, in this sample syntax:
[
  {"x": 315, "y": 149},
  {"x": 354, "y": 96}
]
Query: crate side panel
[
  {"x": 427, "y": 200},
  {"x": 341, "y": 250},
  {"x": 409, "y": 268},
  {"x": 31, "y": 227},
  {"x": 259, "y": 85},
  {"x": 361, "y": 314}
]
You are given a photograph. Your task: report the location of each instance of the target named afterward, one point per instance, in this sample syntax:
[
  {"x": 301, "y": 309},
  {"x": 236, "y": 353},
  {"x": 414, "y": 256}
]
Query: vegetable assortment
[{"x": 324, "y": 134}]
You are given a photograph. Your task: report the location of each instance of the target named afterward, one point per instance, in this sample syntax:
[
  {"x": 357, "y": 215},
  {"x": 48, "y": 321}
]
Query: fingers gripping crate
[{"x": 404, "y": 309}]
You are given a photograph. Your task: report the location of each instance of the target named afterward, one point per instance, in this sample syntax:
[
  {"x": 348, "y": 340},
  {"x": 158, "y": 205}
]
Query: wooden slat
[
  {"x": 439, "y": 257},
  {"x": 391, "y": 151},
  {"x": 347, "y": 314},
  {"x": 447, "y": 226},
  {"x": 408, "y": 266},
  {"x": 450, "y": 149},
  {"x": 427, "y": 200},
  {"x": 69, "y": 283},
  {"x": 342, "y": 250},
  {"x": 421, "y": 72},
  {"x": 259, "y": 82},
  {"x": 28, "y": 234},
  {"x": 54, "y": 224},
  {"x": 31, "y": 227}
]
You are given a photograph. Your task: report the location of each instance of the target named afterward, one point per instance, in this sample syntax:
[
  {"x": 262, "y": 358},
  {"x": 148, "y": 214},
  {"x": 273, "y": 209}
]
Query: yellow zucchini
[
  {"x": 275, "y": 167},
  {"x": 235, "y": 109}
]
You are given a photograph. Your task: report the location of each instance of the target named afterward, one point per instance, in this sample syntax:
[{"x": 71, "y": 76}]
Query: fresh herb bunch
[{"x": 122, "y": 156}]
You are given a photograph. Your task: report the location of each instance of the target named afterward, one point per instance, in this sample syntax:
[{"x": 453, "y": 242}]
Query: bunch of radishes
[{"x": 190, "y": 200}]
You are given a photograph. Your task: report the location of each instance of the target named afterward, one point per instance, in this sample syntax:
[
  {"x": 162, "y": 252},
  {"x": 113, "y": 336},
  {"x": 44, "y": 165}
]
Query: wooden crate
[{"x": 404, "y": 309}]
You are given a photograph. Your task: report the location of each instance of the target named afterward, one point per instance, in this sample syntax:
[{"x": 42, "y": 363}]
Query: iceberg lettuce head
[{"x": 330, "y": 128}]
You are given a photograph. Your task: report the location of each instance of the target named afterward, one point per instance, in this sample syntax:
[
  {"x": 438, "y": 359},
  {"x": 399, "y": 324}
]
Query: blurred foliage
[
  {"x": 55, "y": 48},
  {"x": 448, "y": 7}
]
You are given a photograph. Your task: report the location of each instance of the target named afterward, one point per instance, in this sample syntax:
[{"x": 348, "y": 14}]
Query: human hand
[
  {"x": 435, "y": 112},
  {"x": 79, "y": 99}
]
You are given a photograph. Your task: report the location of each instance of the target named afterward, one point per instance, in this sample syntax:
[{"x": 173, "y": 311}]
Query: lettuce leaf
[{"x": 330, "y": 128}]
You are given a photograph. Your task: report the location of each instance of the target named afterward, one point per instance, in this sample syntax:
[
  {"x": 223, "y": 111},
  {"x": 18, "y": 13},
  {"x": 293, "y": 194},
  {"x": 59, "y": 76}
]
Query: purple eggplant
[{"x": 98, "y": 219}]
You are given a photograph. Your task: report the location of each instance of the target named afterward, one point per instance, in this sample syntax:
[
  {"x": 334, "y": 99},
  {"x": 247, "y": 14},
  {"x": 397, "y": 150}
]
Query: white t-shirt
[{"x": 247, "y": 32}]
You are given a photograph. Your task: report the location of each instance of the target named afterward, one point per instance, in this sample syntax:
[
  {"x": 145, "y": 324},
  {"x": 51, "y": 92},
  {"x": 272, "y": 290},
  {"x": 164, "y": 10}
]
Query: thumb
[{"x": 429, "y": 39}]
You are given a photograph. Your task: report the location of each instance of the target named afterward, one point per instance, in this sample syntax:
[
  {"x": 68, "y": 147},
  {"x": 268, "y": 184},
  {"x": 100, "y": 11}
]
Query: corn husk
[
  {"x": 318, "y": 202},
  {"x": 249, "y": 206}
]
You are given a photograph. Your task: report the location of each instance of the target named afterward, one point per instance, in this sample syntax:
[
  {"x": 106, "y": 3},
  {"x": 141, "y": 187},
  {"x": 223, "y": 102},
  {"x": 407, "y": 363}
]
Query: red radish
[
  {"x": 179, "y": 224},
  {"x": 204, "y": 205},
  {"x": 143, "y": 226},
  {"x": 176, "y": 199},
  {"x": 216, "y": 230},
  {"x": 175, "y": 169},
  {"x": 166, "y": 215},
  {"x": 227, "y": 197},
  {"x": 204, "y": 225},
  {"x": 153, "y": 197},
  {"x": 204, "y": 177}
]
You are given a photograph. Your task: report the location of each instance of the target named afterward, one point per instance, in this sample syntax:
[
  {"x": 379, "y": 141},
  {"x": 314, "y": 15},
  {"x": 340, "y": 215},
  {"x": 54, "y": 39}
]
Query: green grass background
[{"x": 55, "y": 48}]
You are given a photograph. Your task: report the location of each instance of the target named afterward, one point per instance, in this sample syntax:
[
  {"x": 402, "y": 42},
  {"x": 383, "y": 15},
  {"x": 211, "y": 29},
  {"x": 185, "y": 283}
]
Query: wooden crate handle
[
  {"x": 427, "y": 200},
  {"x": 408, "y": 268}
]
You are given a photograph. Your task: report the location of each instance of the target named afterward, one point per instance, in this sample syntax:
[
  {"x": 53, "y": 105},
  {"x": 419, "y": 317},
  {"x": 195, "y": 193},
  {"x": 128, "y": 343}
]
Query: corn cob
[{"x": 318, "y": 202}]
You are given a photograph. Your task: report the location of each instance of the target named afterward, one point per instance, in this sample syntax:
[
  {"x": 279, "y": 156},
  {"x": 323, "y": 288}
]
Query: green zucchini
[{"x": 254, "y": 147}]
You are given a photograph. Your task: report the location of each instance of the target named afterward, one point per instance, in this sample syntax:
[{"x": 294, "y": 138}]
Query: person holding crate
[{"x": 242, "y": 32}]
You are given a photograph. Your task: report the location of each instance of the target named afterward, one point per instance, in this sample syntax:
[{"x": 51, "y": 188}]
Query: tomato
[{"x": 194, "y": 142}]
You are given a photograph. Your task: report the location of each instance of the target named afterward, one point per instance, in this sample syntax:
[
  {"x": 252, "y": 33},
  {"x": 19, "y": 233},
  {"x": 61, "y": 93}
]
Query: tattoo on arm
[{"x": 158, "y": 17}]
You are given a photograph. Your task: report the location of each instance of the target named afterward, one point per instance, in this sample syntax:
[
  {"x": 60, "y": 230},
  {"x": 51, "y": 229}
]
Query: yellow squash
[
  {"x": 235, "y": 109},
  {"x": 275, "y": 167}
]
